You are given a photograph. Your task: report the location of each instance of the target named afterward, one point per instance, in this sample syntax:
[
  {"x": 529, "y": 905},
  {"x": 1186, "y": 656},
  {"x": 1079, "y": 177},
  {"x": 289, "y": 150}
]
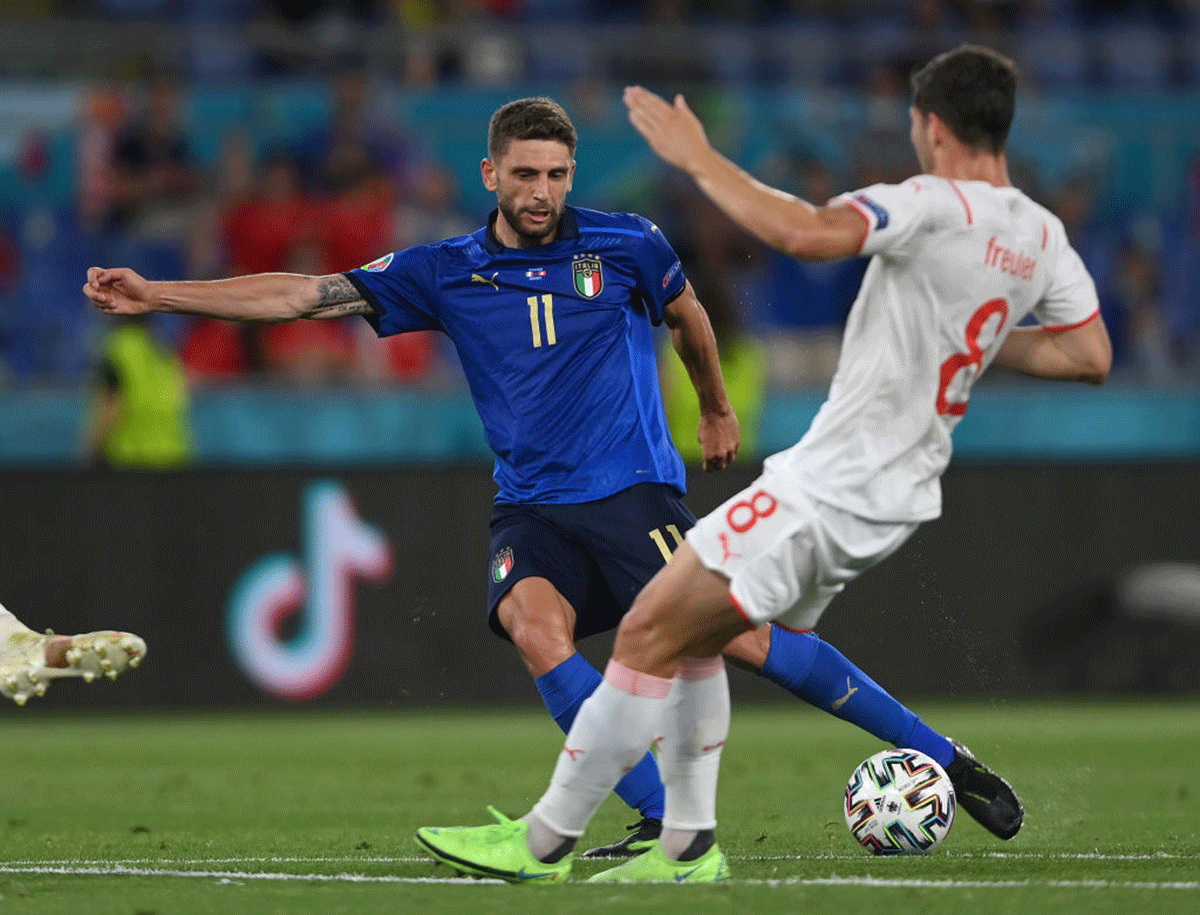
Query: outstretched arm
[
  {"x": 258, "y": 297},
  {"x": 776, "y": 218},
  {"x": 1083, "y": 353},
  {"x": 692, "y": 337}
]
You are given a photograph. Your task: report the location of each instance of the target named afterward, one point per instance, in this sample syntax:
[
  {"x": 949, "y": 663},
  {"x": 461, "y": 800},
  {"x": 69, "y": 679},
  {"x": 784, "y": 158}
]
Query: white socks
[
  {"x": 689, "y": 756},
  {"x": 610, "y": 735},
  {"x": 688, "y": 718}
]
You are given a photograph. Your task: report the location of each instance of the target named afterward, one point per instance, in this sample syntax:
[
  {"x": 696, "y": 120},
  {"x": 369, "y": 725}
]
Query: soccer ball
[{"x": 899, "y": 802}]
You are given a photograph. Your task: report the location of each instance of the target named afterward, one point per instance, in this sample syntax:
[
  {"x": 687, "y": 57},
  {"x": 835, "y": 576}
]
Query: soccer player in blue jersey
[{"x": 552, "y": 310}]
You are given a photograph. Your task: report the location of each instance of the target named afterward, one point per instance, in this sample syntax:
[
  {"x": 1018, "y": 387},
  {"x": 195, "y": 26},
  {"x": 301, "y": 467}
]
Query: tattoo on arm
[
  {"x": 337, "y": 298},
  {"x": 358, "y": 307}
]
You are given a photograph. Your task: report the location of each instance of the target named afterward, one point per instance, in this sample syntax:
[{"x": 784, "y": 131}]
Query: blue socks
[
  {"x": 821, "y": 675},
  {"x": 563, "y": 690}
]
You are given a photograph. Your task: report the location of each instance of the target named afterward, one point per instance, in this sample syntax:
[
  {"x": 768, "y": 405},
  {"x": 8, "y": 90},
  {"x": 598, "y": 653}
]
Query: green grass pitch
[{"x": 296, "y": 812}]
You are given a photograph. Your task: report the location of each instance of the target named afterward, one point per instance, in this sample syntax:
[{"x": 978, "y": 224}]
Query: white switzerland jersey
[{"x": 956, "y": 265}]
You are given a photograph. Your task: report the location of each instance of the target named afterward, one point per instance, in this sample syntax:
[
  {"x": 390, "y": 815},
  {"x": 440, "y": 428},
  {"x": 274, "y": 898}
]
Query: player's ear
[
  {"x": 937, "y": 128},
  {"x": 488, "y": 172},
  {"x": 571, "y": 175}
]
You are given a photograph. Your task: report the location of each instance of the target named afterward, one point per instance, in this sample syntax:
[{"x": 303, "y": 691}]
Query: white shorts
[{"x": 787, "y": 555}]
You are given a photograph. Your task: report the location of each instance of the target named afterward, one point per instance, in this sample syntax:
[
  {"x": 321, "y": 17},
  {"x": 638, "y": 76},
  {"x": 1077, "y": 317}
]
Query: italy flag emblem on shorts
[
  {"x": 502, "y": 564},
  {"x": 589, "y": 279}
]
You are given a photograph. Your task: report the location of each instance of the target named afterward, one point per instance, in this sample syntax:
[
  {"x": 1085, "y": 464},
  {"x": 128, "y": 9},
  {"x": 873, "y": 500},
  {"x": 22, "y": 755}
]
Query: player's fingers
[
  {"x": 634, "y": 99},
  {"x": 653, "y": 108},
  {"x": 651, "y": 131},
  {"x": 641, "y": 97},
  {"x": 726, "y": 457},
  {"x": 94, "y": 293},
  {"x": 638, "y": 120}
]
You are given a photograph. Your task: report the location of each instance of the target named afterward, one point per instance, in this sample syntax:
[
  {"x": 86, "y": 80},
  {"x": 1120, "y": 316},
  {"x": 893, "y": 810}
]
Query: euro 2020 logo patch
[
  {"x": 379, "y": 264},
  {"x": 589, "y": 278},
  {"x": 502, "y": 564}
]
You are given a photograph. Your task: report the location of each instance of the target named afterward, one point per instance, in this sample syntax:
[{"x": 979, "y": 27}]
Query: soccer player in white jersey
[
  {"x": 30, "y": 660},
  {"x": 960, "y": 257}
]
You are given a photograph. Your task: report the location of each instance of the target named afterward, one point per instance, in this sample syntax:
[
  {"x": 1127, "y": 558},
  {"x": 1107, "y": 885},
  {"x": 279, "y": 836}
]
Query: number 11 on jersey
[{"x": 535, "y": 322}]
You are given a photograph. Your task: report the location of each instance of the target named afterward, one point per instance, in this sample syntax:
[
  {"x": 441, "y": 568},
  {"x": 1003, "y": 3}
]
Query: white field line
[
  {"x": 984, "y": 884},
  {"x": 985, "y": 855},
  {"x": 201, "y": 862},
  {"x": 231, "y": 877},
  {"x": 417, "y": 859},
  {"x": 239, "y": 877},
  {"x": 235, "y": 877}
]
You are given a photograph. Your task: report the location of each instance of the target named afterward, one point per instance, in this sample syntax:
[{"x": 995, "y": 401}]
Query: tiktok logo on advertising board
[{"x": 339, "y": 546}]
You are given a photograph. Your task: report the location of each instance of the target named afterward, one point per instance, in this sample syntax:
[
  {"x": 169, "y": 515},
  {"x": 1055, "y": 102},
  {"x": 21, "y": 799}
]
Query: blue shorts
[{"x": 598, "y": 555}]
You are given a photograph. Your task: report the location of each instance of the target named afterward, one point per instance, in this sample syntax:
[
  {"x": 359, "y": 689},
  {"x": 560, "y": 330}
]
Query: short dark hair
[
  {"x": 973, "y": 90},
  {"x": 537, "y": 118}
]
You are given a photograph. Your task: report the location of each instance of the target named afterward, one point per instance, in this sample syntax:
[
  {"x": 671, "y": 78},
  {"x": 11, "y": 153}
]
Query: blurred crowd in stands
[
  {"x": 362, "y": 183},
  {"x": 1063, "y": 44}
]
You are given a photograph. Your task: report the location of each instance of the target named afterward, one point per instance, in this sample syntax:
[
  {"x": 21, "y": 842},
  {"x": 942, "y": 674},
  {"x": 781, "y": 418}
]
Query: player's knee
[
  {"x": 750, "y": 649},
  {"x": 533, "y": 625},
  {"x": 645, "y": 639},
  {"x": 531, "y": 631}
]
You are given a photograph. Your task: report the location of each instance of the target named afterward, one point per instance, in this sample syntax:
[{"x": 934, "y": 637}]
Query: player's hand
[
  {"x": 719, "y": 438},
  {"x": 673, "y": 131},
  {"x": 118, "y": 291}
]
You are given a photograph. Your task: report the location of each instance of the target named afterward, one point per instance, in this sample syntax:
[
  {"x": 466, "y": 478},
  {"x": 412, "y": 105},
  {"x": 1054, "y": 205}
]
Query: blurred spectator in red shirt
[
  {"x": 309, "y": 352},
  {"x": 262, "y": 229},
  {"x": 259, "y": 227},
  {"x": 101, "y": 117},
  {"x": 357, "y": 222},
  {"x": 354, "y": 219}
]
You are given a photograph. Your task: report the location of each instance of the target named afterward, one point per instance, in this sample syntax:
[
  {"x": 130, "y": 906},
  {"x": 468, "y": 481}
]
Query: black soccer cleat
[
  {"x": 984, "y": 794},
  {"x": 645, "y": 830}
]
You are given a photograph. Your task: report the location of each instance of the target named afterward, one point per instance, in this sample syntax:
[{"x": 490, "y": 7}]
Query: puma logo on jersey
[
  {"x": 478, "y": 278},
  {"x": 729, "y": 554},
  {"x": 1015, "y": 263}
]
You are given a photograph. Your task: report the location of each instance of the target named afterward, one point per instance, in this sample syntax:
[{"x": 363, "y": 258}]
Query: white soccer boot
[{"x": 24, "y": 670}]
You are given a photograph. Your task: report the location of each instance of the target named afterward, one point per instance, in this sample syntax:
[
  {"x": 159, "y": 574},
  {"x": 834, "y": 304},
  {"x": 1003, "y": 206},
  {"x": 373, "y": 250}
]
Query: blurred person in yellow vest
[
  {"x": 139, "y": 416},
  {"x": 743, "y": 365}
]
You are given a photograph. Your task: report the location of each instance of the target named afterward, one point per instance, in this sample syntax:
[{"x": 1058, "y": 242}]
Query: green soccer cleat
[
  {"x": 24, "y": 671},
  {"x": 641, "y": 834},
  {"x": 498, "y": 850},
  {"x": 653, "y": 866}
]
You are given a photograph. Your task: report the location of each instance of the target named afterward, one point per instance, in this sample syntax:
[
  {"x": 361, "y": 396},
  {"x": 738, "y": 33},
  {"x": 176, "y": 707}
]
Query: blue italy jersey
[{"x": 557, "y": 346}]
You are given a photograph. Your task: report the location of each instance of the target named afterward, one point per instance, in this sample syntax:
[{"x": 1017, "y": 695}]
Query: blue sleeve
[
  {"x": 401, "y": 289},
  {"x": 660, "y": 275}
]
